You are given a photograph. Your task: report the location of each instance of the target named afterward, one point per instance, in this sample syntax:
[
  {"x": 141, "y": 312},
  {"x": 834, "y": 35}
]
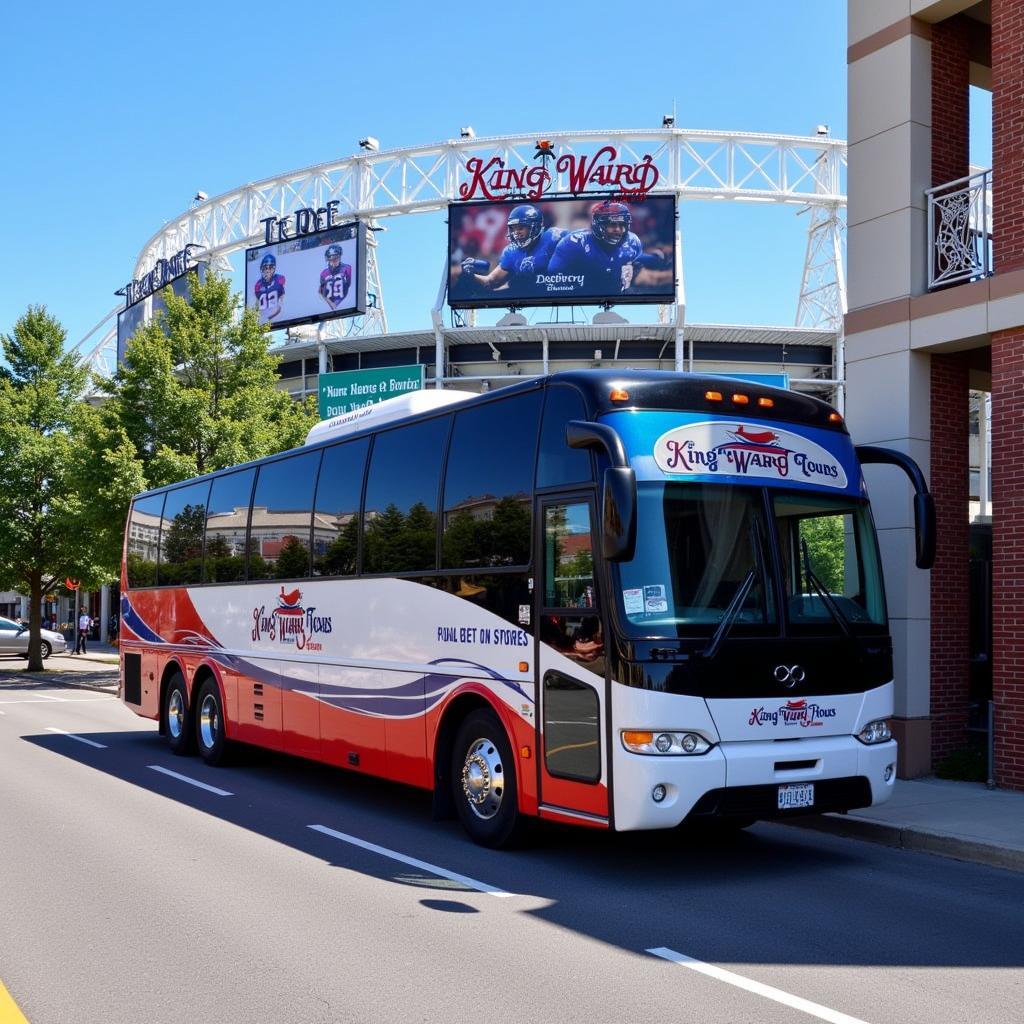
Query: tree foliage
[
  {"x": 197, "y": 390},
  {"x": 65, "y": 472}
]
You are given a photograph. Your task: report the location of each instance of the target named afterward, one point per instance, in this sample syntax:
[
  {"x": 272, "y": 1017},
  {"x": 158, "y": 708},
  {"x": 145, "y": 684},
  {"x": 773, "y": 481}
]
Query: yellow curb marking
[{"x": 9, "y": 1012}]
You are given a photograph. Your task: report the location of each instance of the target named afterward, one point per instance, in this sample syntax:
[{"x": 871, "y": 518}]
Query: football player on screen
[
  {"x": 607, "y": 255},
  {"x": 336, "y": 280},
  {"x": 529, "y": 249},
  {"x": 269, "y": 290}
]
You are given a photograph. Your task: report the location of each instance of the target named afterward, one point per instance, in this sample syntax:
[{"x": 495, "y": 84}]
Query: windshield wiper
[
  {"x": 736, "y": 604},
  {"x": 830, "y": 602}
]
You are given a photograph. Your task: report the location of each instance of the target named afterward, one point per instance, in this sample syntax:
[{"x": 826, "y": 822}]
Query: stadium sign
[
  {"x": 349, "y": 390},
  {"x": 492, "y": 180},
  {"x": 162, "y": 274},
  {"x": 307, "y": 222}
]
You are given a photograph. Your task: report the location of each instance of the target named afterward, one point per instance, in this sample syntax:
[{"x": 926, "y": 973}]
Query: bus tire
[
  {"x": 178, "y": 716},
  {"x": 211, "y": 740},
  {"x": 483, "y": 779}
]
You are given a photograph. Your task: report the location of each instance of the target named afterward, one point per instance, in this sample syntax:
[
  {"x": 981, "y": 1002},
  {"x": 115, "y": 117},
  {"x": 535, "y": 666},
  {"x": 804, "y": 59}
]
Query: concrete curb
[
  {"x": 58, "y": 679},
  {"x": 905, "y": 837}
]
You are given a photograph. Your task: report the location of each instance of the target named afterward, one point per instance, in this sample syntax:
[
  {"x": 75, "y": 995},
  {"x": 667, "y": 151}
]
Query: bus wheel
[
  {"x": 210, "y": 738},
  {"x": 484, "y": 781},
  {"x": 177, "y": 718}
]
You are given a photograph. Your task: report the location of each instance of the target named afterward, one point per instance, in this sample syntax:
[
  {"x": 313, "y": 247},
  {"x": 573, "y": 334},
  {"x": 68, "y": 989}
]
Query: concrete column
[{"x": 104, "y": 612}]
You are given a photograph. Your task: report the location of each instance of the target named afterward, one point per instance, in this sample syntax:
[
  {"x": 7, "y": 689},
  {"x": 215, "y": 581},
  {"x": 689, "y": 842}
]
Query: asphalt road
[{"x": 294, "y": 892}]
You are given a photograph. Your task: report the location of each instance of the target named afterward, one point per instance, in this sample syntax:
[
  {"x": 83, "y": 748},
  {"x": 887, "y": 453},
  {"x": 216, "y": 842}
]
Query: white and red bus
[{"x": 595, "y": 598}]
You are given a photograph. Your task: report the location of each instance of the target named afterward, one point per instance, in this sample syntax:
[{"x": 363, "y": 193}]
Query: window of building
[
  {"x": 227, "y": 517},
  {"x": 144, "y": 540},
  {"x": 400, "y": 516},
  {"x": 488, "y": 484},
  {"x": 336, "y": 510},
  {"x": 282, "y": 509},
  {"x": 181, "y": 535}
]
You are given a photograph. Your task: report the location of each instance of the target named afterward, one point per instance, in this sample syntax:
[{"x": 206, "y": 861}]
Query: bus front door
[{"x": 570, "y": 665}]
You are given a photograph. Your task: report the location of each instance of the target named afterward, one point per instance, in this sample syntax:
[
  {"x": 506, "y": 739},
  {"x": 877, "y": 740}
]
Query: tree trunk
[{"x": 35, "y": 654}]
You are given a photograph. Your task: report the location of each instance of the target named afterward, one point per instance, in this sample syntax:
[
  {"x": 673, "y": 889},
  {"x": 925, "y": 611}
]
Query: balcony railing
[{"x": 960, "y": 230}]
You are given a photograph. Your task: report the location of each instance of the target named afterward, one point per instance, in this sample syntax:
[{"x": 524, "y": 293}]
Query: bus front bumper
[{"x": 742, "y": 779}]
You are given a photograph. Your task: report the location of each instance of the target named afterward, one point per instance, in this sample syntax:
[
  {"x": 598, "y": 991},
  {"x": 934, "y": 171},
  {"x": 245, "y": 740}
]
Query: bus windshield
[{"x": 698, "y": 543}]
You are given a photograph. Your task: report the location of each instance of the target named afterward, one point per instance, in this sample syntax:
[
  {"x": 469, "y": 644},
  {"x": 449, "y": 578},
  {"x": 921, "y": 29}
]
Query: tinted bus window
[
  {"x": 282, "y": 509},
  {"x": 558, "y": 463},
  {"x": 226, "y": 520},
  {"x": 488, "y": 489},
  {"x": 181, "y": 535},
  {"x": 144, "y": 540},
  {"x": 400, "y": 517},
  {"x": 336, "y": 511}
]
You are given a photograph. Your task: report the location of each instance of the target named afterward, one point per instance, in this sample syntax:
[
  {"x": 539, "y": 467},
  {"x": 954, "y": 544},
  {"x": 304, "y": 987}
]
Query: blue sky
[{"x": 116, "y": 116}]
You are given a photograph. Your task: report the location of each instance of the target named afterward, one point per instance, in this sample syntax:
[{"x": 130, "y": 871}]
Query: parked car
[{"x": 14, "y": 639}]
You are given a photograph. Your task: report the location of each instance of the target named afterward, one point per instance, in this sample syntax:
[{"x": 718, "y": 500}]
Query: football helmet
[
  {"x": 528, "y": 217},
  {"x": 608, "y": 214},
  {"x": 333, "y": 256}
]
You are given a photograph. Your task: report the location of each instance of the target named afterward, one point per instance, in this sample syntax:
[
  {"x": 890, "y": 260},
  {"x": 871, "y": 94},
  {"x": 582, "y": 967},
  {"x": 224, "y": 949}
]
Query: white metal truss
[{"x": 705, "y": 165}]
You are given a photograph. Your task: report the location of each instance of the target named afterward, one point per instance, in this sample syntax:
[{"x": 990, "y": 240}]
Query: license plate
[{"x": 800, "y": 794}]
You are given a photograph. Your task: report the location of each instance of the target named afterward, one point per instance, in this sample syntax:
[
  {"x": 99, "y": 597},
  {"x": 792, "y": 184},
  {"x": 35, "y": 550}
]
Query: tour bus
[{"x": 620, "y": 600}]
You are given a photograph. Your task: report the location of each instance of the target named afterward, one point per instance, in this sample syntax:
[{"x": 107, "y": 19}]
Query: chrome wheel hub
[
  {"x": 209, "y": 721},
  {"x": 176, "y": 714},
  {"x": 483, "y": 779}
]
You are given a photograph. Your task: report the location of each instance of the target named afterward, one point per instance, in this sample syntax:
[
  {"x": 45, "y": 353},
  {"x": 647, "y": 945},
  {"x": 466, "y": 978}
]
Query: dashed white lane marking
[
  {"x": 81, "y": 739},
  {"x": 775, "y": 994},
  {"x": 470, "y": 883},
  {"x": 191, "y": 782}
]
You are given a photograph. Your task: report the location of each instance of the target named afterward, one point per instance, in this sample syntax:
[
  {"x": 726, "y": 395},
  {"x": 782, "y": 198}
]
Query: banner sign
[
  {"x": 353, "y": 389},
  {"x": 561, "y": 251},
  {"x": 307, "y": 277}
]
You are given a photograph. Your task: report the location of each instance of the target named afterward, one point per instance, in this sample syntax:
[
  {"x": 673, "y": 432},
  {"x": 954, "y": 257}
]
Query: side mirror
[
  {"x": 924, "y": 503},
  {"x": 618, "y": 502}
]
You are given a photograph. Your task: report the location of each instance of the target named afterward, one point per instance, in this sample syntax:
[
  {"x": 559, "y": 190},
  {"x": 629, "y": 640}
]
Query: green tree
[
  {"x": 293, "y": 561},
  {"x": 66, "y": 474},
  {"x": 197, "y": 390},
  {"x": 826, "y": 549}
]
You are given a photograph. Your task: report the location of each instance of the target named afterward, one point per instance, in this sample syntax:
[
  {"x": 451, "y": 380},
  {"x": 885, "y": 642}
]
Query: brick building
[{"x": 936, "y": 309}]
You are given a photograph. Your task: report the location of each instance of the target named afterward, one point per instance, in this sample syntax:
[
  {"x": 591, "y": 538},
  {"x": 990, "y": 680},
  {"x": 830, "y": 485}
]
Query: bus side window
[
  {"x": 400, "y": 516},
  {"x": 227, "y": 518},
  {"x": 558, "y": 464},
  {"x": 339, "y": 491},
  {"x": 143, "y": 539},
  {"x": 181, "y": 535},
  {"x": 279, "y": 522},
  {"x": 488, "y": 484}
]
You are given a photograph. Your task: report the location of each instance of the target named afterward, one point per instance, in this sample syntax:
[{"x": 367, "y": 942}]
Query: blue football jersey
[
  {"x": 602, "y": 268},
  {"x": 522, "y": 265}
]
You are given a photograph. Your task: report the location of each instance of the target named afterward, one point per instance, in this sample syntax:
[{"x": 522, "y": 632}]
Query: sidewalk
[
  {"x": 963, "y": 820},
  {"x": 97, "y": 670}
]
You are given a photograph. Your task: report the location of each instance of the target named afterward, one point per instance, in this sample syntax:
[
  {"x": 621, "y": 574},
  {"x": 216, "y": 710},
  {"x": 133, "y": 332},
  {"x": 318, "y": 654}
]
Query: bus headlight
[
  {"x": 875, "y": 732},
  {"x": 638, "y": 742}
]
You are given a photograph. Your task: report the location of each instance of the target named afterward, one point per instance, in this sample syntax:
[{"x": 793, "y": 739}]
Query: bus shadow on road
[{"x": 772, "y": 894}]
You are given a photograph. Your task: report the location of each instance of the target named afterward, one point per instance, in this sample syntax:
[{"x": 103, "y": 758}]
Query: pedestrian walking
[{"x": 84, "y": 625}]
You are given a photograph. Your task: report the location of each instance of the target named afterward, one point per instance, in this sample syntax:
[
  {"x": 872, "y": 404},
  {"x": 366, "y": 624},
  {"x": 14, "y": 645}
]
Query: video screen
[
  {"x": 562, "y": 251},
  {"x": 308, "y": 278},
  {"x": 129, "y": 320}
]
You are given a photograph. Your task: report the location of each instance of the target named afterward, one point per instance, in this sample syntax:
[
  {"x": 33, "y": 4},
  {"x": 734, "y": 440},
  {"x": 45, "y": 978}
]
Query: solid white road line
[
  {"x": 470, "y": 883},
  {"x": 804, "y": 1005},
  {"x": 41, "y": 699},
  {"x": 191, "y": 782},
  {"x": 81, "y": 739}
]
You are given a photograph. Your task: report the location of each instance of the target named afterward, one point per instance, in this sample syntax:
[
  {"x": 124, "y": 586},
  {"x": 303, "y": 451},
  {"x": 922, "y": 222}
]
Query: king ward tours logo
[
  {"x": 803, "y": 713},
  {"x": 290, "y": 623},
  {"x": 714, "y": 447}
]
